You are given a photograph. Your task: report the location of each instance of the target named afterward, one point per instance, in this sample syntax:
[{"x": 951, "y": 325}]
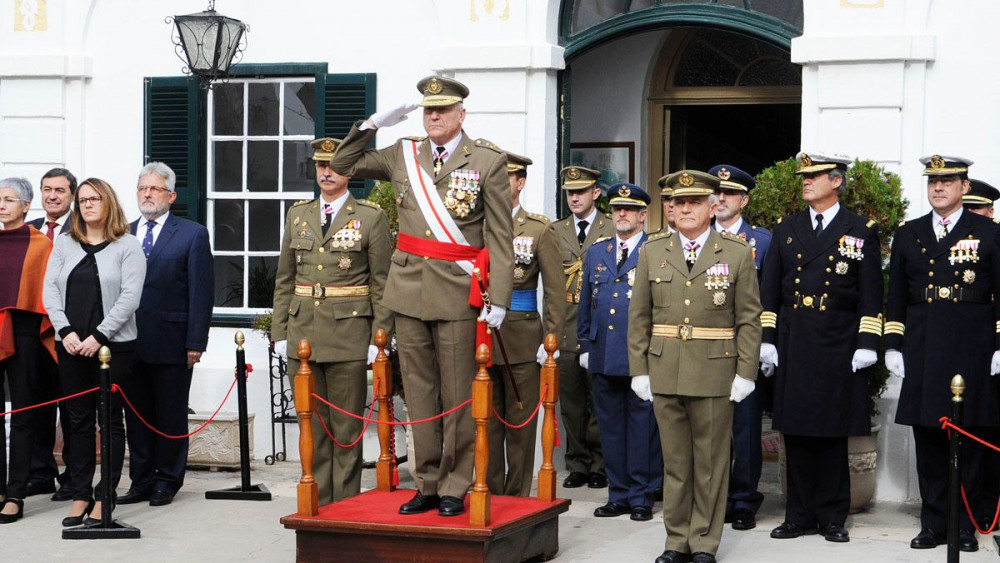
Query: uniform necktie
[
  {"x": 327, "y": 216},
  {"x": 147, "y": 241},
  {"x": 942, "y": 230},
  {"x": 51, "y": 233},
  {"x": 819, "y": 224},
  {"x": 623, "y": 254},
  {"x": 582, "y": 235},
  {"x": 691, "y": 255},
  {"x": 439, "y": 160}
]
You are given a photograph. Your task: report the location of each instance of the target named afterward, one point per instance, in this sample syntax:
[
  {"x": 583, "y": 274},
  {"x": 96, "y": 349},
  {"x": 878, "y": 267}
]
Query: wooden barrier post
[
  {"x": 550, "y": 386},
  {"x": 305, "y": 385},
  {"x": 382, "y": 390},
  {"x": 955, "y": 470},
  {"x": 482, "y": 404}
]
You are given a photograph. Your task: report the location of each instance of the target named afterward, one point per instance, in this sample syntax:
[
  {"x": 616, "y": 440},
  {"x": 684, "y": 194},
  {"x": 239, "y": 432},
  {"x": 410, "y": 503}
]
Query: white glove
[
  {"x": 741, "y": 389},
  {"x": 281, "y": 349},
  {"x": 894, "y": 363},
  {"x": 494, "y": 317},
  {"x": 768, "y": 359},
  {"x": 640, "y": 386},
  {"x": 995, "y": 364},
  {"x": 372, "y": 353},
  {"x": 392, "y": 116},
  {"x": 864, "y": 358},
  {"x": 542, "y": 355},
  {"x": 584, "y": 360}
]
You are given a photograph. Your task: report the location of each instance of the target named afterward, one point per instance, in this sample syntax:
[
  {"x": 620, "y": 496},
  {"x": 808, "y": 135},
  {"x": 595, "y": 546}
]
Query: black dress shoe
[
  {"x": 658, "y": 494},
  {"x": 744, "y": 519},
  {"x": 420, "y": 503},
  {"x": 671, "y": 556},
  {"x": 63, "y": 494},
  {"x": 927, "y": 539},
  {"x": 72, "y": 521},
  {"x": 451, "y": 506},
  {"x": 11, "y": 518},
  {"x": 789, "y": 530},
  {"x": 836, "y": 533},
  {"x": 597, "y": 481},
  {"x": 576, "y": 479},
  {"x": 967, "y": 541},
  {"x": 132, "y": 497},
  {"x": 45, "y": 487},
  {"x": 641, "y": 513},
  {"x": 159, "y": 498},
  {"x": 611, "y": 510},
  {"x": 702, "y": 557}
]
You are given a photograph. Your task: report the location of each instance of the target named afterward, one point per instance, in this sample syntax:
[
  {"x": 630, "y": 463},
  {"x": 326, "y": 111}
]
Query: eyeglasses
[
  {"x": 10, "y": 201},
  {"x": 151, "y": 189},
  {"x": 89, "y": 200}
]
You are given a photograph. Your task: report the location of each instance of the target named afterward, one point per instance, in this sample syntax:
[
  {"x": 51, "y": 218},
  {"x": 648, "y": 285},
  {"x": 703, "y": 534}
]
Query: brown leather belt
[
  {"x": 688, "y": 332},
  {"x": 319, "y": 291}
]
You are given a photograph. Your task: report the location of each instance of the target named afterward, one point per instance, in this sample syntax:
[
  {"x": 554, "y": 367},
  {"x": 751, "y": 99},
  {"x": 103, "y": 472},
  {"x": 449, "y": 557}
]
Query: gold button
[
  {"x": 427, "y": 233},
  {"x": 797, "y": 280},
  {"x": 828, "y": 270},
  {"x": 799, "y": 256},
  {"x": 923, "y": 250},
  {"x": 825, "y": 295},
  {"x": 930, "y": 274},
  {"x": 615, "y": 294},
  {"x": 320, "y": 267},
  {"x": 657, "y": 280},
  {"x": 688, "y": 283},
  {"x": 798, "y": 268},
  {"x": 931, "y": 260},
  {"x": 427, "y": 258},
  {"x": 930, "y": 286},
  {"x": 612, "y": 311},
  {"x": 929, "y": 300},
  {"x": 618, "y": 280},
  {"x": 956, "y": 274},
  {"x": 687, "y": 302},
  {"x": 316, "y": 303},
  {"x": 686, "y": 320},
  {"x": 355, "y": 313},
  {"x": 727, "y": 353},
  {"x": 796, "y": 293},
  {"x": 321, "y": 249},
  {"x": 831, "y": 258},
  {"x": 827, "y": 284},
  {"x": 611, "y": 327}
]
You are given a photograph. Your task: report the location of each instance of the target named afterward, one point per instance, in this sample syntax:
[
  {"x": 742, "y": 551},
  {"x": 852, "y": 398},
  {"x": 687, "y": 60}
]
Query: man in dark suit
[
  {"x": 941, "y": 320},
  {"x": 58, "y": 187},
  {"x": 173, "y": 320},
  {"x": 632, "y": 454},
  {"x": 821, "y": 290}
]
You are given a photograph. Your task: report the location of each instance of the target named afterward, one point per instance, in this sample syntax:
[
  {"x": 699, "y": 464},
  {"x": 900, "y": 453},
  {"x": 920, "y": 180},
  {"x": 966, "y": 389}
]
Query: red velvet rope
[
  {"x": 947, "y": 425},
  {"x": 530, "y": 418},
  {"x": 356, "y": 440},
  {"x": 116, "y": 389},
  {"x": 391, "y": 422},
  {"x": 52, "y": 402}
]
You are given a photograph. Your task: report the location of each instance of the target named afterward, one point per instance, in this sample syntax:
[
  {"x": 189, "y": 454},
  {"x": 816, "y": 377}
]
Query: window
[
  {"x": 242, "y": 156},
  {"x": 582, "y": 15}
]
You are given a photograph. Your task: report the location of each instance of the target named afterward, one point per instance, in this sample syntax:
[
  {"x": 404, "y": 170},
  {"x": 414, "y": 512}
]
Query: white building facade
[{"x": 640, "y": 87}]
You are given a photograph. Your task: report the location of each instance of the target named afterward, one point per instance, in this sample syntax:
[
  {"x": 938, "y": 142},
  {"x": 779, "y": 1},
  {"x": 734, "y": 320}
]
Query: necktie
[
  {"x": 819, "y": 224},
  {"x": 327, "y": 216},
  {"x": 691, "y": 255},
  {"x": 439, "y": 160},
  {"x": 147, "y": 241},
  {"x": 51, "y": 233},
  {"x": 623, "y": 254},
  {"x": 942, "y": 230},
  {"x": 582, "y": 235}
]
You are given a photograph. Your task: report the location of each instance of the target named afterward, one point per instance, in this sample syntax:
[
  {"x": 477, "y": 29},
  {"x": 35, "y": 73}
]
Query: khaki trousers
[{"x": 517, "y": 446}]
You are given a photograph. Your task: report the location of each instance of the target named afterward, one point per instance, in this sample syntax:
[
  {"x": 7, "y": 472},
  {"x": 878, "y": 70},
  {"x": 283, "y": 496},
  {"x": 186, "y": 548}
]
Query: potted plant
[{"x": 871, "y": 192}]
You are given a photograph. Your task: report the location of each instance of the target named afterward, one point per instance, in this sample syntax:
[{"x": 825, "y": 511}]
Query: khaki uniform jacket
[
  {"x": 561, "y": 253},
  {"x": 426, "y": 288},
  {"x": 666, "y": 293},
  {"x": 522, "y": 330},
  {"x": 338, "y": 328}
]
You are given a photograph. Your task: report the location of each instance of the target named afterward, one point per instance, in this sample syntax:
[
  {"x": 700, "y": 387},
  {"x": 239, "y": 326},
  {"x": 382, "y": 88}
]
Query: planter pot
[
  {"x": 862, "y": 459},
  {"x": 218, "y": 445}
]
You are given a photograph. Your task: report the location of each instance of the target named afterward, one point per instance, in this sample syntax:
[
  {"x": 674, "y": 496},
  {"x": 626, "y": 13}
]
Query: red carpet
[{"x": 379, "y": 508}]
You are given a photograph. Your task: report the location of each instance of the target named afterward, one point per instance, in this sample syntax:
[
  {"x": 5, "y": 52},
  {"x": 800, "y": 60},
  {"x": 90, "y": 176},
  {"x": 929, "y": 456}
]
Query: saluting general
[
  {"x": 329, "y": 290},
  {"x": 942, "y": 320},
  {"x": 693, "y": 338},
  {"x": 454, "y": 247},
  {"x": 822, "y": 297}
]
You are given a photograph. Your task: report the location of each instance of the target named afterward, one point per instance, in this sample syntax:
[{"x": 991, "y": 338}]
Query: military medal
[
  {"x": 966, "y": 250},
  {"x": 631, "y": 277},
  {"x": 463, "y": 188},
  {"x": 347, "y": 235},
  {"x": 841, "y": 268},
  {"x": 518, "y": 273},
  {"x": 296, "y": 221},
  {"x": 968, "y": 276},
  {"x": 850, "y": 247},
  {"x": 719, "y": 298},
  {"x": 717, "y": 276},
  {"x": 344, "y": 263},
  {"x": 524, "y": 250}
]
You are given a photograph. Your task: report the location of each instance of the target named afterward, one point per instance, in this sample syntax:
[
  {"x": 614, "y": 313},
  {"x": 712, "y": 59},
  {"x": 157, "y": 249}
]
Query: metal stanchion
[
  {"x": 245, "y": 491},
  {"x": 954, "y": 469},
  {"x": 108, "y": 528}
]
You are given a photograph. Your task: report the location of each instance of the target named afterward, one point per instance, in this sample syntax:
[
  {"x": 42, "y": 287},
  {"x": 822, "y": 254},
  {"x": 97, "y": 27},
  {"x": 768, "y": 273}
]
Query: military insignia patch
[
  {"x": 969, "y": 276},
  {"x": 296, "y": 221},
  {"x": 573, "y": 174},
  {"x": 789, "y": 241},
  {"x": 724, "y": 173},
  {"x": 327, "y": 145},
  {"x": 937, "y": 163},
  {"x": 719, "y": 298},
  {"x": 518, "y": 273},
  {"x": 804, "y": 160},
  {"x": 686, "y": 180},
  {"x": 624, "y": 191},
  {"x": 841, "y": 268},
  {"x": 344, "y": 263},
  {"x": 434, "y": 87}
]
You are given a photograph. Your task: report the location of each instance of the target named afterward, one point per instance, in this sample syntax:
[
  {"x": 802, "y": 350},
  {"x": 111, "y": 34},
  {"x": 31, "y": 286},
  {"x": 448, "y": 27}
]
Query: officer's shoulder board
[
  {"x": 301, "y": 202},
  {"x": 488, "y": 144},
  {"x": 540, "y": 218},
  {"x": 870, "y": 223},
  {"x": 658, "y": 235},
  {"x": 602, "y": 239},
  {"x": 369, "y": 203},
  {"x": 997, "y": 220},
  {"x": 780, "y": 219},
  {"x": 726, "y": 235}
]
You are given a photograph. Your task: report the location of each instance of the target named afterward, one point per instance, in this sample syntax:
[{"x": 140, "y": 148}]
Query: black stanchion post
[
  {"x": 954, "y": 469},
  {"x": 245, "y": 491},
  {"x": 108, "y": 528}
]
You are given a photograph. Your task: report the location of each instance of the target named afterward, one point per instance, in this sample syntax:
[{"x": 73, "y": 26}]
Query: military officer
[
  {"x": 693, "y": 338},
  {"x": 563, "y": 246},
  {"x": 822, "y": 296},
  {"x": 941, "y": 320},
  {"x": 453, "y": 199},
  {"x": 980, "y": 198},
  {"x": 633, "y": 462},
  {"x": 328, "y": 289},
  {"x": 666, "y": 193},
  {"x": 744, "y": 499},
  {"x": 522, "y": 336}
]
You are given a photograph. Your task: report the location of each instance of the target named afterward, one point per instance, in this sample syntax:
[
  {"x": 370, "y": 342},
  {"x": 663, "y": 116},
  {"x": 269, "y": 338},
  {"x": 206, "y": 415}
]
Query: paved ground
[{"x": 195, "y": 529}]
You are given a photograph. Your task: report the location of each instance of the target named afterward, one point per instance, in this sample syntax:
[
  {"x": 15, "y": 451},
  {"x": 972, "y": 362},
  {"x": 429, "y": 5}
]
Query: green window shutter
[
  {"x": 172, "y": 136},
  {"x": 347, "y": 98}
]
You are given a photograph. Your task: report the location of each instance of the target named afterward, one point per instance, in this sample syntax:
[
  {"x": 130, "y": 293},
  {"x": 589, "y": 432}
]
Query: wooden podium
[{"x": 499, "y": 529}]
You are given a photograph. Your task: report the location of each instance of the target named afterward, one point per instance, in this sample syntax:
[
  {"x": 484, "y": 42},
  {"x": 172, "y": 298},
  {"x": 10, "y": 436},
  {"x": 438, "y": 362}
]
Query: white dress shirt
[
  {"x": 449, "y": 147},
  {"x": 700, "y": 239},
  {"x": 140, "y": 230},
  {"x": 589, "y": 219},
  {"x": 733, "y": 229},
  {"x": 828, "y": 215}
]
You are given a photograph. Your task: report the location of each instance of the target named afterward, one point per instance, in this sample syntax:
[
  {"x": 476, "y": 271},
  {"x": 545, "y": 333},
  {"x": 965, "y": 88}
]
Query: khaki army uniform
[
  {"x": 522, "y": 334},
  {"x": 561, "y": 251},
  {"x": 692, "y": 332},
  {"x": 435, "y": 325},
  {"x": 328, "y": 289}
]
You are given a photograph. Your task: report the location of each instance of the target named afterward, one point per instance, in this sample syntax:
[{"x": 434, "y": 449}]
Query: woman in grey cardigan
[{"x": 92, "y": 288}]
